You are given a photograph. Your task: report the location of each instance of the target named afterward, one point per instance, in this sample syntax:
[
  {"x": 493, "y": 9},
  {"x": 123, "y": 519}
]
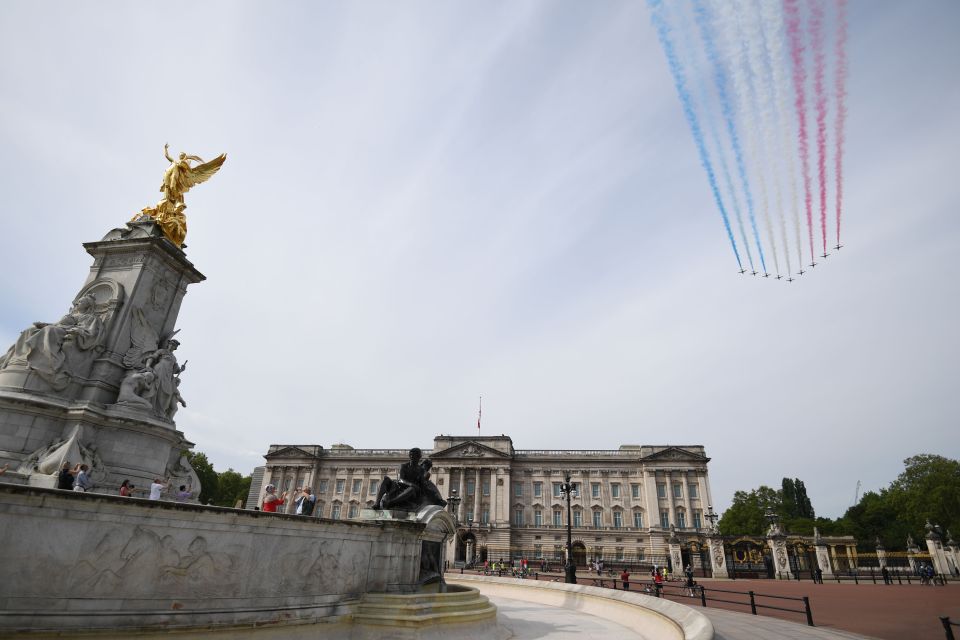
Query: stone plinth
[
  {"x": 60, "y": 382},
  {"x": 718, "y": 559},
  {"x": 86, "y": 562}
]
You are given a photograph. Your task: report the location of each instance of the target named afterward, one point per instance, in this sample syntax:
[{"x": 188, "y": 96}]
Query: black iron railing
[{"x": 948, "y": 626}]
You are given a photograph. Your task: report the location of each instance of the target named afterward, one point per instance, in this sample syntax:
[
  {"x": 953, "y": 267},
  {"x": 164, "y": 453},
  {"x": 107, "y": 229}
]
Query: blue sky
[{"x": 428, "y": 201}]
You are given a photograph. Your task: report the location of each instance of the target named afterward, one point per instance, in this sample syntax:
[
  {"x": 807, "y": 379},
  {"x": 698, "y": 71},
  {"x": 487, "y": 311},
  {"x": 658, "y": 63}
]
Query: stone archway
[{"x": 579, "y": 554}]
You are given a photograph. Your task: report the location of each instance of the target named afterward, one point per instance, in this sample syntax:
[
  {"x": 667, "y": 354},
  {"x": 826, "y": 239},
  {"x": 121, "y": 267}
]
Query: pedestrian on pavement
[{"x": 625, "y": 578}]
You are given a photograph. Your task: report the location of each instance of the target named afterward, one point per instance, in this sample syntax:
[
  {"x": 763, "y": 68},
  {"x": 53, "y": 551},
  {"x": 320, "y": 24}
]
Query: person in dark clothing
[{"x": 65, "y": 477}]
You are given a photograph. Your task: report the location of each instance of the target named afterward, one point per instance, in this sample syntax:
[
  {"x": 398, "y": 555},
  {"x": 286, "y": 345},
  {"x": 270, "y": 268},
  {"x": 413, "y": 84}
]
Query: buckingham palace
[{"x": 629, "y": 501}]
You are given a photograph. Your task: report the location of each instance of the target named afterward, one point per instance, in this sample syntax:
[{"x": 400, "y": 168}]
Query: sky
[{"x": 426, "y": 202}]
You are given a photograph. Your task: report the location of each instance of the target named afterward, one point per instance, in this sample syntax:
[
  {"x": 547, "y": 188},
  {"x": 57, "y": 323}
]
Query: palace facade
[{"x": 511, "y": 506}]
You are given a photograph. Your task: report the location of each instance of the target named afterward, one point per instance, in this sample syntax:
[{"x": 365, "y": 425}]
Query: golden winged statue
[{"x": 179, "y": 177}]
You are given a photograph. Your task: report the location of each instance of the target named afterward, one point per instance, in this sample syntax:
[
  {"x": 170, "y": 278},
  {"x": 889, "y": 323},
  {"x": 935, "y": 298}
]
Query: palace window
[
  {"x": 578, "y": 518},
  {"x": 485, "y": 516},
  {"x": 597, "y": 519},
  {"x": 323, "y": 486},
  {"x": 617, "y": 519},
  {"x": 518, "y": 490},
  {"x": 486, "y": 487},
  {"x": 557, "y": 552},
  {"x": 354, "y": 511},
  {"x": 518, "y": 517},
  {"x": 615, "y": 490},
  {"x": 556, "y": 489},
  {"x": 677, "y": 490},
  {"x": 538, "y": 551},
  {"x": 681, "y": 519},
  {"x": 638, "y": 519},
  {"x": 537, "y": 489},
  {"x": 335, "y": 512},
  {"x": 471, "y": 487},
  {"x": 340, "y": 484},
  {"x": 635, "y": 490},
  {"x": 618, "y": 554},
  {"x": 639, "y": 554},
  {"x": 665, "y": 519},
  {"x": 661, "y": 490},
  {"x": 374, "y": 487},
  {"x": 537, "y": 518},
  {"x": 357, "y": 482},
  {"x": 595, "y": 489},
  {"x": 697, "y": 519},
  {"x": 692, "y": 490},
  {"x": 557, "y": 518}
]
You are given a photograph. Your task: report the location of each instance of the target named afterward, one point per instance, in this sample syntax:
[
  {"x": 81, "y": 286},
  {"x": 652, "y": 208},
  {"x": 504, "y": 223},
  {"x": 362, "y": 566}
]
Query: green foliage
[
  {"x": 222, "y": 489},
  {"x": 747, "y": 514},
  {"x": 232, "y": 487},
  {"x": 208, "y": 477},
  {"x": 927, "y": 490}
]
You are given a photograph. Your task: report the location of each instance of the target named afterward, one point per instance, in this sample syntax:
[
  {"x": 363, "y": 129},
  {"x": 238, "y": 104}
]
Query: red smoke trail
[
  {"x": 799, "y": 81},
  {"x": 819, "y": 62},
  {"x": 841, "y": 53}
]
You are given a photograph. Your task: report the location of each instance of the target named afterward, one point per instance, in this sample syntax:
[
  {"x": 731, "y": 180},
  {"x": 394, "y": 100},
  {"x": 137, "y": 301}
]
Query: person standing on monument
[
  {"x": 271, "y": 501},
  {"x": 82, "y": 482},
  {"x": 156, "y": 488},
  {"x": 305, "y": 502},
  {"x": 65, "y": 477}
]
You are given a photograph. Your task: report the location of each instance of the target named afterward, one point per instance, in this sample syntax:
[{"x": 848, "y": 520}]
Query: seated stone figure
[
  {"x": 41, "y": 346},
  {"x": 412, "y": 489}
]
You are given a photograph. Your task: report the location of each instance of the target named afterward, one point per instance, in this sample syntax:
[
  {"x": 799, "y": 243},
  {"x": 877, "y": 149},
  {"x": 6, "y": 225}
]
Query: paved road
[{"x": 527, "y": 621}]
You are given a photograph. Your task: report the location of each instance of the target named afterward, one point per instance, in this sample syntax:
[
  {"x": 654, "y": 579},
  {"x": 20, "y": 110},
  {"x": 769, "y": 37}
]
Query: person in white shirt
[{"x": 156, "y": 488}]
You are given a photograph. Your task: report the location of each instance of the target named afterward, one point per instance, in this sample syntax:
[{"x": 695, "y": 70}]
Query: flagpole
[{"x": 479, "y": 415}]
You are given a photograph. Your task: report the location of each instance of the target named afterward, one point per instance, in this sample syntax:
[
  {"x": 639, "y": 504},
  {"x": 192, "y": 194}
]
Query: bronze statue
[
  {"x": 179, "y": 177},
  {"x": 412, "y": 489}
]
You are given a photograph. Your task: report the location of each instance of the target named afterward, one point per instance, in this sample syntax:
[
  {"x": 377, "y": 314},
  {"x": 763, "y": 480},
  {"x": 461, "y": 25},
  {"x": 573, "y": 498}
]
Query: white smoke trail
[
  {"x": 736, "y": 53},
  {"x": 701, "y": 101},
  {"x": 762, "y": 71},
  {"x": 771, "y": 14}
]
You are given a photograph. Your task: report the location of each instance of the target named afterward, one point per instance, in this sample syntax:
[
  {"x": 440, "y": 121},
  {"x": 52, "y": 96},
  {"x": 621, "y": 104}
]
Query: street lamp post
[{"x": 569, "y": 490}]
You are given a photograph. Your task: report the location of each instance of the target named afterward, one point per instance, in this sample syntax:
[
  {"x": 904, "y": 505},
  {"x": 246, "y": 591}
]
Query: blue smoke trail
[
  {"x": 683, "y": 27},
  {"x": 663, "y": 31},
  {"x": 720, "y": 78}
]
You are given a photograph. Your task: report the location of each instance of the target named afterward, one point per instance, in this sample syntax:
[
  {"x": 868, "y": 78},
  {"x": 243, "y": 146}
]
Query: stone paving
[{"x": 888, "y": 612}]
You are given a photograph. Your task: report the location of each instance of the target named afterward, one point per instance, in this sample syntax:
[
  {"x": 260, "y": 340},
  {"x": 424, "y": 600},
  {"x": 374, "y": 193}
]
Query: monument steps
[{"x": 424, "y": 609}]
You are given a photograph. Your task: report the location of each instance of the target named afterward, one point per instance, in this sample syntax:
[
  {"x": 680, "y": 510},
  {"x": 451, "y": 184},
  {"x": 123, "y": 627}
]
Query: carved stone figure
[
  {"x": 164, "y": 366},
  {"x": 412, "y": 489},
  {"x": 42, "y": 347},
  {"x": 179, "y": 177},
  {"x": 138, "y": 390},
  {"x": 148, "y": 352}
]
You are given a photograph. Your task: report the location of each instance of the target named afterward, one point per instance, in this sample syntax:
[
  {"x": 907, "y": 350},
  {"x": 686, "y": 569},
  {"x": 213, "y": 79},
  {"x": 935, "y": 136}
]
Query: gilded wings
[{"x": 179, "y": 178}]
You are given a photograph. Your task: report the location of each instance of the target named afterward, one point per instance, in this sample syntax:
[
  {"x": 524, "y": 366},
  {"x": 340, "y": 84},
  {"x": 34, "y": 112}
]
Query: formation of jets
[{"x": 813, "y": 263}]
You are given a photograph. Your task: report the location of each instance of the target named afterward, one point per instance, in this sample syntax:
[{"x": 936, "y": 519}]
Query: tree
[
  {"x": 796, "y": 504},
  {"x": 232, "y": 487},
  {"x": 208, "y": 477},
  {"x": 747, "y": 514}
]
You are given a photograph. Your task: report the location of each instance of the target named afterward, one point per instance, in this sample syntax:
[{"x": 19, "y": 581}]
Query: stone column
[
  {"x": 881, "y": 554},
  {"x": 686, "y": 499},
  {"x": 494, "y": 494},
  {"x": 823, "y": 554},
  {"x": 672, "y": 507},
  {"x": 912, "y": 551},
  {"x": 781, "y": 558},
  {"x": 652, "y": 504},
  {"x": 718, "y": 559},
  {"x": 676, "y": 558},
  {"x": 477, "y": 495},
  {"x": 936, "y": 550},
  {"x": 462, "y": 507}
]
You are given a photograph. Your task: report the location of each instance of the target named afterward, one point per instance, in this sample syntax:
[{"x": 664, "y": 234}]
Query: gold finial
[{"x": 179, "y": 177}]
